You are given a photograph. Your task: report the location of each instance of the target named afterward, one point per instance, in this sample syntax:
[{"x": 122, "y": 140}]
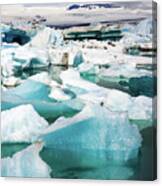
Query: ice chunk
[
  {"x": 21, "y": 124},
  {"x": 42, "y": 77},
  {"x": 127, "y": 70},
  {"x": 47, "y": 37},
  {"x": 141, "y": 108},
  {"x": 71, "y": 78},
  {"x": 88, "y": 68},
  {"x": 25, "y": 163},
  {"x": 78, "y": 59},
  {"x": 7, "y": 67},
  {"x": 95, "y": 128},
  {"x": 10, "y": 81},
  {"x": 118, "y": 101},
  {"x": 58, "y": 94},
  {"x": 144, "y": 28},
  {"x": 29, "y": 57},
  {"x": 38, "y": 97},
  {"x": 31, "y": 90},
  {"x": 142, "y": 33}
]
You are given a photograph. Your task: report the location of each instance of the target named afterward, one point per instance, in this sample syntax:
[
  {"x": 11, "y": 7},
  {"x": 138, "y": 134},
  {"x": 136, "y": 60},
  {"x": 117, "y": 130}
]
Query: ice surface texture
[
  {"x": 21, "y": 124},
  {"x": 25, "y": 163},
  {"x": 96, "y": 128}
]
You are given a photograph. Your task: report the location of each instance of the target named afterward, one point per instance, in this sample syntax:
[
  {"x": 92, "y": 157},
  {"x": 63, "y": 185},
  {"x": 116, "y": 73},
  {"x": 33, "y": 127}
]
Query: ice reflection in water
[{"x": 85, "y": 164}]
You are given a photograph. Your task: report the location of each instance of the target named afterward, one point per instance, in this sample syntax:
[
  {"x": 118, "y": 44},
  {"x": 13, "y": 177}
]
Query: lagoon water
[
  {"x": 86, "y": 163},
  {"x": 94, "y": 164},
  {"x": 84, "y": 99}
]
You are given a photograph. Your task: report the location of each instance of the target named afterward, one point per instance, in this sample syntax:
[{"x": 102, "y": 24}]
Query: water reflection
[{"x": 85, "y": 164}]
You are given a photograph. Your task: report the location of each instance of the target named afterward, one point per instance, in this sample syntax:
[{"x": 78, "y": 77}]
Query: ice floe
[
  {"x": 21, "y": 124},
  {"x": 46, "y": 37},
  {"x": 125, "y": 70},
  {"x": 71, "y": 78},
  {"x": 141, "y": 108},
  {"x": 118, "y": 101},
  {"x": 95, "y": 127},
  {"x": 26, "y": 163}
]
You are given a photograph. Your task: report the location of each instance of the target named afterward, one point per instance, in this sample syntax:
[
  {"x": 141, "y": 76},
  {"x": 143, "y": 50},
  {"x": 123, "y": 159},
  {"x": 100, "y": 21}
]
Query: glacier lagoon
[{"x": 79, "y": 107}]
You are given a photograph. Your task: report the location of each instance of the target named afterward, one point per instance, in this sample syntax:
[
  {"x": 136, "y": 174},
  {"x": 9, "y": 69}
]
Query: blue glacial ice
[
  {"x": 31, "y": 90},
  {"x": 25, "y": 163},
  {"x": 21, "y": 124},
  {"x": 46, "y": 37},
  {"x": 95, "y": 128},
  {"x": 78, "y": 59},
  {"x": 37, "y": 94},
  {"x": 141, "y": 33}
]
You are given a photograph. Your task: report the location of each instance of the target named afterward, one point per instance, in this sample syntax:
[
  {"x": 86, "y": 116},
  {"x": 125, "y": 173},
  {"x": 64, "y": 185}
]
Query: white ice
[
  {"x": 26, "y": 163},
  {"x": 21, "y": 124}
]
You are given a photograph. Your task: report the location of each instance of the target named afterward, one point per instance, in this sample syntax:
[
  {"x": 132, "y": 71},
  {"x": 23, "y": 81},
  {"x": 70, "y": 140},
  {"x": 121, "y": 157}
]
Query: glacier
[
  {"x": 26, "y": 163},
  {"x": 95, "y": 127},
  {"x": 21, "y": 124}
]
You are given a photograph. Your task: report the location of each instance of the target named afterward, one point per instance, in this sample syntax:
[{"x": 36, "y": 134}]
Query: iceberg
[
  {"x": 41, "y": 77},
  {"x": 31, "y": 90},
  {"x": 60, "y": 94},
  {"x": 25, "y": 163},
  {"x": 39, "y": 96},
  {"x": 141, "y": 108},
  {"x": 30, "y": 57},
  {"x": 118, "y": 101},
  {"x": 95, "y": 128},
  {"x": 7, "y": 68},
  {"x": 46, "y": 37},
  {"x": 21, "y": 124},
  {"x": 88, "y": 68},
  {"x": 141, "y": 33},
  {"x": 23, "y": 58},
  {"x": 145, "y": 28},
  {"x": 78, "y": 59},
  {"x": 10, "y": 81},
  {"x": 71, "y": 79},
  {"x": 127, "y": 70}
]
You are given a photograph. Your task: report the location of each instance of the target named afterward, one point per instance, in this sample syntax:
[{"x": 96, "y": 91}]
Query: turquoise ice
[{"x": 96, "y": 128}]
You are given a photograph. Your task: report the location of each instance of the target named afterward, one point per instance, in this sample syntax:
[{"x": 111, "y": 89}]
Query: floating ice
[
  {"x": 21, "y": 124},
  {"x": 58, "y": 94},
  {"x": 141, "y": 108},
  {"x": 47, "y": 37},
  {"x": 27, "y": 57},
  {"x": 42, "y": 77},
  {"x": 142, "y": 33},
  {"x": 37, "y": 94},
  {"x": 88, "y": 68},
  {"x": 95, "y": 127},
  {"x": 7, "y": 68},
  {"x": 118, "y": 101},
  {"x": 145, "y": 28},
  {"x": 10, "y": 81},
  {"x": 71, "y": 78},
  {"x": 78, "y": 59},
  {"x": 31, "y": 90},
  {"x": 126, "y": 70},
  {"x": 25, "y": 163}
]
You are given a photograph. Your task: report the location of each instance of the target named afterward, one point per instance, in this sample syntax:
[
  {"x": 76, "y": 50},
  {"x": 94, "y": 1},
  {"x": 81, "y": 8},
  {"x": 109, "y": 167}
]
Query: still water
[
  {"x": 91, "y": 164},
  {"x": 94, "y": 164}
]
